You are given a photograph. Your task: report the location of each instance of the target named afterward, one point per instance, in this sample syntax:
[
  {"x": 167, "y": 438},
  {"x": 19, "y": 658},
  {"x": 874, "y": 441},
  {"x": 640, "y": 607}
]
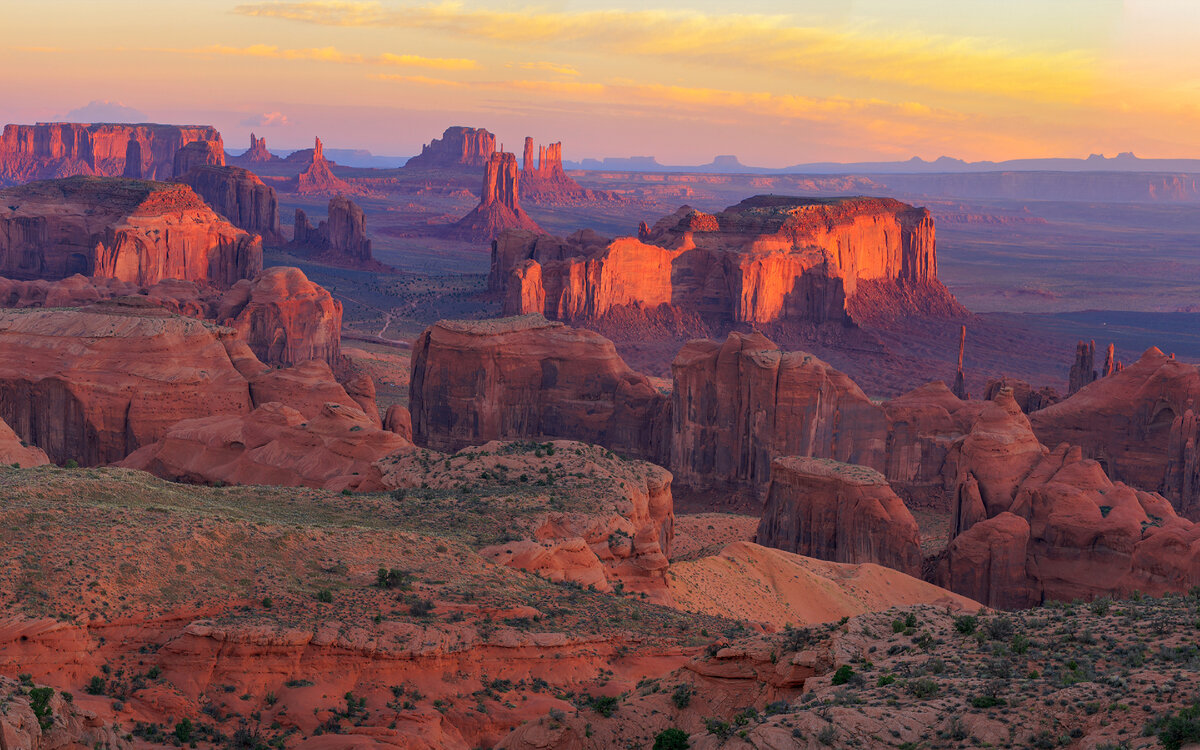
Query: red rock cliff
[
  {"x": 499, "y": 208},
  {"x": 840, "y": 512},
  {"x": 63, "y": 149},
  {"x": 769, "y": 258},
  {"x": 458, "y": 147},
  {"x": 238, "y": 195},
  {"x": 284, "y": 317},
  {"x": 544, "y": 181},
  {"x": 135, "y": 231},
  {"x": 196, "y": 154},
  {"x": 341, "y": 239},
  {"x": 475, "y": 381}
]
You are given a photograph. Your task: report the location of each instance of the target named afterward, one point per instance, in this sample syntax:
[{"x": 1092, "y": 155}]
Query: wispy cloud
[
  {"x": 769, "y": 43},
  {"x": 331, "y": 55},
  {"x": 266, "y": 120},
  {"x": 549, "y": 67}
]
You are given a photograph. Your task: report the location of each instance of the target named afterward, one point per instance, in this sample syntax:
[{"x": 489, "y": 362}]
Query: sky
[{"x": 774, "y": 83}]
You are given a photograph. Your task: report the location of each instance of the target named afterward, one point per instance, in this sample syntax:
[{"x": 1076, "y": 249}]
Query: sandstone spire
[
  {"x": 1108, "y": 361},
  {"x": 960, "y": 380},
  {"x": 1084, "y": 369}
]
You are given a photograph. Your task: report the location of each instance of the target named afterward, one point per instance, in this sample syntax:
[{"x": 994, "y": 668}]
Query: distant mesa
[
  {"x": 499, "y": 208},
  {"x": 544, "y": 181},
  {"x": 458, "y": 148},
  {"x": 194, "y": 154},
  {"x": 341, "y": 239},
  {"x": 66, "y": 149},
  {"x": 317, "y": 177},
  {"x": 133, "y": 230},
  {"x": 769, "y": 258}
]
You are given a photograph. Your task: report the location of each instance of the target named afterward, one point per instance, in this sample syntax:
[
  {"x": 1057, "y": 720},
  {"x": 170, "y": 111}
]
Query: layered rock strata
[
  {"x": 499, "y": 207},
  {"x": 767, "y": 259},
  {"x": 65, "y": 149},
  {"x": 136, "y": 231},
  {"x": 527, "y": 377},
  {"x": 459, "y": 147},
  {"x": 238, "y": 195},
  {"x": 840, "y": 512}
]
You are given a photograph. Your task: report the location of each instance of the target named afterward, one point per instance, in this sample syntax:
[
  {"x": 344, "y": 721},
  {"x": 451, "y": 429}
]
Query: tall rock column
[
  {"x": 960, "y": 380},
  {"x": 500, "y": 181},
  {"x": 1084, "y": 369}
]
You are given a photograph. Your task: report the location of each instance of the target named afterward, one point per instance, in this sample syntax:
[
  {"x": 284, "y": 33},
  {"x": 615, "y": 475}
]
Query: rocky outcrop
[
  {"x": 767, "y": 259},
  {"x": 65, "y": 149},
  {"x": 15, "y": 452},
  {"x": 840, "y": 512},
  {"x": 458, "y": 148},
  {"x": 95, "y": 384},
  {"x": 138, "y": 232},
  {"x": 341, "y": 239},
  {"x": 614, "y": 526},
  {"x": 544, "y": 181},
  {"x": 1026, "y": 396},
  {"x": 526, "y": 377},
  {"x": 1084, "y": 369},
  {"x": 1033, "y": 524},
  {"x": 238, "y": 195},
  {"x": 960, "y": 378},
  {"x": 499, "y": 208},
  {"x": 317, "y": 177},
  {"x": 335, "y": 449},
  {"x": 196, "y": 154},
  {"x": 257, "y": 153},
  {"x": 284, "y": 318},
  {"x": 739, "y": 405},
  {"x": 1135, "y": 423}
]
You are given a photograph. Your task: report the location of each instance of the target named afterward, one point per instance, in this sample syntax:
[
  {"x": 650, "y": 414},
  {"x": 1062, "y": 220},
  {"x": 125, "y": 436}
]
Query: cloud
[
  {"x": 549, "y": 67},
  {"x": 329, "y": 54},
  {"x": 266, "y": 120},
  {"x": 105, "y": 111},
  {"x": 772, "y": 44}
]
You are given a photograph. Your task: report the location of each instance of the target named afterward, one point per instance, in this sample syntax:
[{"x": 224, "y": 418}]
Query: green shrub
[
  {"x": 184, "y": 731},
  {"x": 325, "y": 596},
  {"x": 842, "y": 675},
  {"x": 605, "y": 705},
  {"x": 682, "y": 696},
  {"x": 1181, "y": 729},
  {"x": 671, "y": 739},
  {"x": 39, "y": 701},
  {"x": 965, "y": 624}
]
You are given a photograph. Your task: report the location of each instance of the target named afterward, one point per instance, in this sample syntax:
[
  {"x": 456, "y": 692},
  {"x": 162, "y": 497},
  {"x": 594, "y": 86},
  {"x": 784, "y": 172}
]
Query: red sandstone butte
[
  {"x": 238, "y": 195},
  {"x": 256, "y": 154},
  {"x": 544, "y": 181},
  {"x": 499, "y": 208},
  {"x": 769, "y": 258},
  {"x": 459, "y": 147},
  {"x": 284, "y": 317},
  {"x": 317, "y": 177},
  {"x": 341, "y": 239},
  {"x": 476, "y": 381},
  {"x": 840, "y": 512},
  {"x": 133, "y": 230},
  {"x": 65, "y": 149}
]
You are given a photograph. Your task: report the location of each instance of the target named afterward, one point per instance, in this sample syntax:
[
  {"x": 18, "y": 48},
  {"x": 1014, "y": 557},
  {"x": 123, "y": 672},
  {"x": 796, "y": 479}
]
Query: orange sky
[{"x": 775, "y": 83}]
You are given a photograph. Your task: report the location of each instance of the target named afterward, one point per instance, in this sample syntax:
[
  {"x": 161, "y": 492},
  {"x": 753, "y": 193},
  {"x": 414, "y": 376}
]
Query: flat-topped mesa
[
  {"x": 499, "y": 208},
  {"x": 526, "y": 377},
  {"x": 136, "y": 231},
  {"x": 341, "y": 239},
  {"x": 238, "y": 195},
  {"x": 196, "y": 154},
  {"x": 545, "y": 182},
  {"x": 458, "y": 148},
  {"x": 840, "y": 512},
  {"x": 65, "y": 149},
  {"x": 766, "y": 259}
]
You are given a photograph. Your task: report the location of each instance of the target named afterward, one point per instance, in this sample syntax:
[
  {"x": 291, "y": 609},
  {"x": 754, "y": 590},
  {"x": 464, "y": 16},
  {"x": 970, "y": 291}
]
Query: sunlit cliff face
[{"x": 777, "y": 83}]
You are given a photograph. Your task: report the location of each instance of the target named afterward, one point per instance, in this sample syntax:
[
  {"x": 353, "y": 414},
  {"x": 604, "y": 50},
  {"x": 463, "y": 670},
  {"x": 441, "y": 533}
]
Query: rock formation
[
  {"x": 499, "y": 208},
  {"x": 739, "y": 405},
  {"x": 341, "y": 239},
  {"x": 257, "y": 153},
  {"x": 238, "y": 195},
  {"x": 317, "y": 178},
  {"x": 65, "y": 149},
  {"x": 135, "y": 231},
  {"x": 284, "y": 318},
  {"x": 1027, "y": 398},
  {"x": 767, "y": 259},
  {"x": 840, "y": 512},
  {"x": 1136, "y": 423},
  {"x": 335, "y": 449},
  {"x": 1084, "y": 369},
  {"x": 96, "y": 383},
  {"x": 614, "y": 525},
  {"x": 195, "y": 154},
  {"x": 458, "y": 148},
  {"x": 1033, "y": 524},
  {"x": 960, "y": 379},
  {"x": 526, "y": 377},
  {"x": 15, "y": 452},
  {"x": 545, "y": 182}
]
